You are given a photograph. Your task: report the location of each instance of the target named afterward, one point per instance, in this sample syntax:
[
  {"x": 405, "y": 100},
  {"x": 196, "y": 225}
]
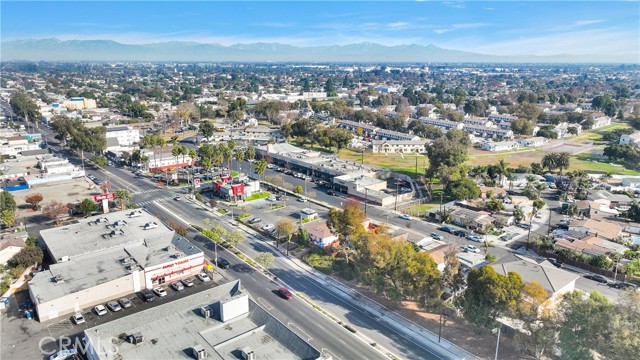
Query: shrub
[{"x": 27, "y": 256}]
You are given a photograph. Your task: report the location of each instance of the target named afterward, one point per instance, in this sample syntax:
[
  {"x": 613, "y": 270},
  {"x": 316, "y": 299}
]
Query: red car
[{"x": 285, "y": 293}]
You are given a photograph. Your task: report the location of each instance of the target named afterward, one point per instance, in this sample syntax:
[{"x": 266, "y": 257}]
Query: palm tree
[
  {"x": 563, "y": 161},
  {"x": 502, "y": 169},
  {"x": 550, "y": 161}
]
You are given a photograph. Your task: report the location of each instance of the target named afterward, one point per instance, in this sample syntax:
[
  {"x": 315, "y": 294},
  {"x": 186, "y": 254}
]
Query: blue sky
[{"x": 499, "y": 27}]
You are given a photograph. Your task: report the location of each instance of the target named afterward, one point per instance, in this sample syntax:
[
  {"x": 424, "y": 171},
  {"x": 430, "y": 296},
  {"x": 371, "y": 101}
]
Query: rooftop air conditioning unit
[
  {"x": 136, "y": 338},
  {"x": 199, "y": 352},
  {"x": 206, "y": 312},
  {"x": 248, "y": 353},
  {"x": 58, "y": 279},
  {"x": 150, "y": 225}
]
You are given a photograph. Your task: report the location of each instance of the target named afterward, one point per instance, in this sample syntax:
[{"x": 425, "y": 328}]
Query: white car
[
  {"x": 100, "y": 310},
  {"x": 302, "y": 199},
  {"x": 405, "y": 217},
  {"x": 161, "y": 292},
  {"x": 78, "y": 319},
  {"x": 471, "y": 248},
  {"x": 268, "y": 227},
  {"x": 177, "y": 286},
  {"x": 204, "y": 277}
]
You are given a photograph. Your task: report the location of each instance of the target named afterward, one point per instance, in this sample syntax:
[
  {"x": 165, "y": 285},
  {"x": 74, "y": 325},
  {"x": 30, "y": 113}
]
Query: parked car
[
  {"x": 100, "y": 310},
  {"x": 188, "y": 282},
  {"x": 405, "y": 217},
  {"x": 114, "y": 306},
  {"x": 598, "y": 278},
  {"x": 331, "y": 192},
  {"x": 436, "y": 236},
  {"x": 64, "y": 355},
  {"x": 285, "y": 293},
  {"x": 177, "y": 286},
  {"x": 555, "y": 262},
  {"x": 125, "y": 303},
  {"x": 524, "y": 226},
  {"x": 78, "y": 319},
  {"x": 471, "y": 248},
  {"x": 461, "y": 233},
  {"x": 255, "y": 220},
  {"x": 445, "y": 229},
  {"x": 204, "y": 277},
  {"x": 146, "y": 295},
  {"x": 268, "y": 227},
  {"x": 506, "y": 237},
  {"x": 160, "y": 291},
  {"x": 475, "y": 238},
  {"x": 302, "y": 199},
  {"x": 223, "y": 263},
  {"x": 176, "y": 198},
  {"x": 625, "y": 285}
]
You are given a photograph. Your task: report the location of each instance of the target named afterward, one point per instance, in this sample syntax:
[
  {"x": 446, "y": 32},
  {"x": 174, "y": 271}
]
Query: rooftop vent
[
  {"x": 58, "y": 279},
  {"x": 150, "y": 225},
  {"x": 127, "y": 260},
  {"x": 120, "y": 223},
  {"x": 206, "y": 312},
  {"x": 199, "y": 352},
  {"x": 115, "y": 233},
  {"x": 136, "y": 213},
  {"x": 135, "y": 338},
  {"x": 248, "y": 353}
]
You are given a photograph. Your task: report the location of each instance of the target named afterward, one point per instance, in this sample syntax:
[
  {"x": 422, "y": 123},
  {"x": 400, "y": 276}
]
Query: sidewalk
[{"x": 390, "y": 319}]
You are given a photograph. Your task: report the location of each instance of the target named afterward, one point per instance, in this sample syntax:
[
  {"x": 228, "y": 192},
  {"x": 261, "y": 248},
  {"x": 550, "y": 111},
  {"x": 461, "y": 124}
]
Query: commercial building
[
  {"x": 441, "y": 123},
  {"x": 218, "y": 323},
  {"x": 108, "y": 256},
  {"x": 399, "y": 146},
  {"x": 161, "y": 158},
  {"x": 125, "y": 137},
  {"x": 500, "y": 145}
]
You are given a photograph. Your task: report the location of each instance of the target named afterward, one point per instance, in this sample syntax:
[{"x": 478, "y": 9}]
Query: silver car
[
  {"x": 177, "y": 286},
  {"x": 114, "y": 306}
]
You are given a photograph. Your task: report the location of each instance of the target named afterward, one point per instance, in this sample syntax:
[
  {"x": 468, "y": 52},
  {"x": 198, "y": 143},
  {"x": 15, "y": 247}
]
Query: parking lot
[
  {"x": 29, "y": 339},
  {"x": 271, "y": 211}
]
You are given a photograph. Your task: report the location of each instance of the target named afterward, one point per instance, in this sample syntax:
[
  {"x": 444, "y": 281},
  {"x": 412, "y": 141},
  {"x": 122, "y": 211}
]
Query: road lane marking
[
  {"x": 265, "y": 304},
  {"x": 300, "y": 332}
]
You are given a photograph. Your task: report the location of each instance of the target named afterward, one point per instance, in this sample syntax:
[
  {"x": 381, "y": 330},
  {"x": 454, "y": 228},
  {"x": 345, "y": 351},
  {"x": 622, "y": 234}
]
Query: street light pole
[
  {"x": 366, "y": 200},
  {"x": 497, "y": 344},
  {"x": 396, "y": 207}
]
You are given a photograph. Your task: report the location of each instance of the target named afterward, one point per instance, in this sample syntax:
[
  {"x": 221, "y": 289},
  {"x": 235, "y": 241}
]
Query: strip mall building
[{"x": 106, "y": 257}]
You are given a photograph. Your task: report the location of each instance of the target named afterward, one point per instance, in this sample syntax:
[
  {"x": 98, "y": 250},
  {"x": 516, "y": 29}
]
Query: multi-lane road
[{"x": 309, "y": 323}]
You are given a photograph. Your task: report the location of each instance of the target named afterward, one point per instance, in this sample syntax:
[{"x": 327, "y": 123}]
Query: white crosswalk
[
  {"x": 146, "y": 191},
  {"x": 162, "y": 199}
]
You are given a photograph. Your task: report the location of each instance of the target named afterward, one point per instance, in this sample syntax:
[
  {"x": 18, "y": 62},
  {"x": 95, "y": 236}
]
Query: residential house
[
  {"x": 399, "y": 146},
  {"x": 533, "y": 142},
  {"x": 555, "y": 281},
  {"x": 11, "y": 244},
  {"x": 320, "y": 234},
  {"x": 580, "y": 247},
  {"x": 633, "y": 138},
  {"x": 366, "y": 129},
  {"x": 442, "y": 123},
  {"x": 436, "y": 249},
  {"x": 308, "y": 214},
  {"x": 395, "y": 135},
  {"x": 604, "y": 229},
  {"x": 484, "y": 131},
  {"x": 471, "y": 219},
  {"x": 500, "y": 118},
  {"x": 562, "y": 130},
  {"x": 478, "y": 121},
  {"x": 518, "y": 180},
  {"x": 610, "y": 199},
  {"x": 595, "y": 210},
  {"x": 601, "y": 121},
  {"x": 500, "y": 145},
  {"x": 496, "y": 191}
]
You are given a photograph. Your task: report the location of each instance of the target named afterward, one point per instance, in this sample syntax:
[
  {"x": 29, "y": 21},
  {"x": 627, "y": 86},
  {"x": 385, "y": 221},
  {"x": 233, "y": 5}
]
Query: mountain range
[{"x": 108, "y": 50}]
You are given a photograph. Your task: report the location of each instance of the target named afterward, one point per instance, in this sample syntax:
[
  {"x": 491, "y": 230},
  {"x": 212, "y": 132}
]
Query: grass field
[
  {"x": 403, "y": 164},
  {"x": 583, "y": 161}
]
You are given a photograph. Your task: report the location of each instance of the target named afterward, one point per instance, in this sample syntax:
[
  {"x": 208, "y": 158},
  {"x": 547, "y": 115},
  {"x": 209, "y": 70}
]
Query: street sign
[
  {"x": 196, "y": 182},
  {"x": 104, "y": 197}
]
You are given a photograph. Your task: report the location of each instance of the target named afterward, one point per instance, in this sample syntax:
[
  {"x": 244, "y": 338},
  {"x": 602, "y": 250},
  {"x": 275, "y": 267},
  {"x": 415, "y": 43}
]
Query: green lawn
[
  {"x": 259, "y": 195},
  {"x": 405, "y": 164},
  {"x": 583, "y": 163}
]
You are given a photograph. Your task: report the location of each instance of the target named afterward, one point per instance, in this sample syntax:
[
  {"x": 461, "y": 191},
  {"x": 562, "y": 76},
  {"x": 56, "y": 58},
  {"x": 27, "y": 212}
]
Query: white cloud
[
  {"x": 580, "y": 42},
  {"x": 454, "y": 4},
  {"x": 442, "y": 31},
  {"x": 398, "y": 25},
  {"x": 488, "y": 8},
  {"x": 587, "y": 22},
  {"x": 469, "y": 25}
]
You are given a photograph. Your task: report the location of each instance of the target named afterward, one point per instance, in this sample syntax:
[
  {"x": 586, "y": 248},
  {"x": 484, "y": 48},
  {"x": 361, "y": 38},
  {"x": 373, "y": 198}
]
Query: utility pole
[
  {"x": 215, "y": 249},
  {"x": 396, "y": 207},
  {"x": 440, "y": 327},
  {"x": 441, "y": 215},
  {"x": 497, "y": 343},
  {"x": 366, "y": 200},
  {"x": 549, "y": 226}
]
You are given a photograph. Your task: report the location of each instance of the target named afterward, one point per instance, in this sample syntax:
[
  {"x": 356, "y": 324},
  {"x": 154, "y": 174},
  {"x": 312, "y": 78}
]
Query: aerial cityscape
[{"x": 320, "y": 180}]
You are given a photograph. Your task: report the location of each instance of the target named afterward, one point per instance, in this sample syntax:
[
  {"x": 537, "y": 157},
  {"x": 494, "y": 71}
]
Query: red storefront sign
[{"x": 104, "y": 197}]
